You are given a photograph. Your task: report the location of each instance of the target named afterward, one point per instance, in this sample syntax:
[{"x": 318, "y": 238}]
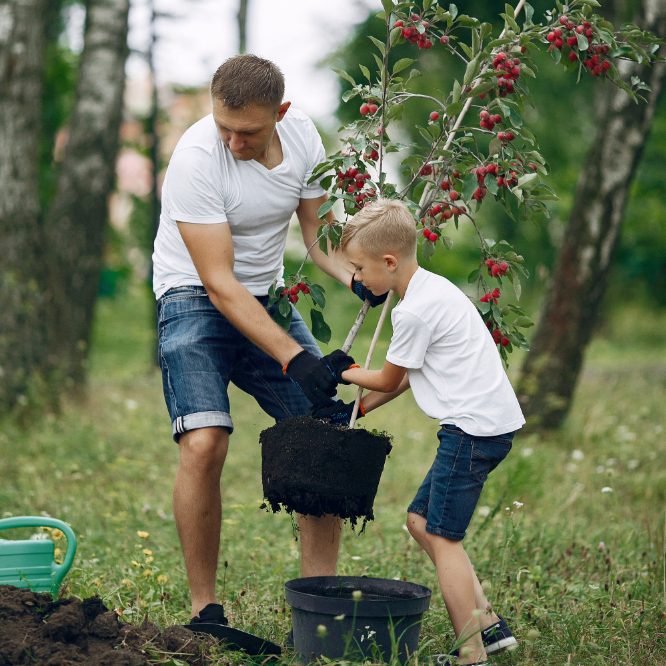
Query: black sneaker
[
  {"x": 210, "y": 614},
  {"x": 498, "y": 637}
]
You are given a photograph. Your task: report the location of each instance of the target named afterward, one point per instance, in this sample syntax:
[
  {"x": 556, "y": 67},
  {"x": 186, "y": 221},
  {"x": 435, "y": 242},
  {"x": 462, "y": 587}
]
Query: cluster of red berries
[
  {"x": 372, "y": 153},
  {"x": 430, "y": 235},
  {"x": 507, "y": 71},
  {"x": 491, "y": 296},
  {"x": 416, "y": 31},
  {"x": 368, "y": 108},
  {"x": 597, "y": 64},
  {"x": 353, "y": 182},
  {"x": 489, "y": 120},
  {"x": 496, "y": 268},
  {"x": 292, "y": 293},
  {"x": 498, "y": 337}
]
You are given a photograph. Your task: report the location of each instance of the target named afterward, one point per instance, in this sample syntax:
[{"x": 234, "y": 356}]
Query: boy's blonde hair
[{"x": 382, "y": 227}]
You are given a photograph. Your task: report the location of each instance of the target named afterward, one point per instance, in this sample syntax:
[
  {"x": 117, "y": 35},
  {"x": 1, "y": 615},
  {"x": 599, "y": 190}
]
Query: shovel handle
[{"x": 59, "y": 570}]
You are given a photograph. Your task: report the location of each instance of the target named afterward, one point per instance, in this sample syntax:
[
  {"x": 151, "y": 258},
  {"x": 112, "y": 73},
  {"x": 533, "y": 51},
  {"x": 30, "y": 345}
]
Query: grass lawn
[{"x": 568, "y": 536}]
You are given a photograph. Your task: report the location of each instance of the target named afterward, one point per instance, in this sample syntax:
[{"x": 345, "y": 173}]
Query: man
[{"x": 232, "y": 185}]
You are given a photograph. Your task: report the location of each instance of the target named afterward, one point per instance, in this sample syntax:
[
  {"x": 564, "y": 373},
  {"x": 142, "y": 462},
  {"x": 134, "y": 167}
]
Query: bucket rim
[{"x": 307, "y": 600}]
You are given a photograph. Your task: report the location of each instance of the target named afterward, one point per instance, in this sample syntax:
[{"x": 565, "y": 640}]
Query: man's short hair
[
  {"x": 247, "y": 79},
  {"x": 382, "y": 227}
]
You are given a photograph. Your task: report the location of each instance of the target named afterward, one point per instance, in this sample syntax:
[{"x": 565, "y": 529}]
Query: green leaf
[
  {"x": 284, "y": 307},
  {"x": 529, "y": 13},
  {"x": 490, "y": 182},
  {"x": 365, "y": 71},
  {"x": 583, "y": 44},
  {"x": 394, "y": 36},
  {"x": 470, "y": 183},
  {"x": 473, "y": 276},
  {"x": 379, "y": 44},
  {"x": 528, "y": 181},
  {"x": 325, "y": 207},
  {"x": 318, "y": 295},
  {"x": 320, "y": 329},
  {"x": 403, "y": 63},
  {"x": 455, "y": 95},
  {"x": 343, "y": 75},
  {"x": 453, "y": 10},
  {"x": 523, "y": 322},
  {"x": 388, "y": 6},
  {"x": 471, "y": 70}
]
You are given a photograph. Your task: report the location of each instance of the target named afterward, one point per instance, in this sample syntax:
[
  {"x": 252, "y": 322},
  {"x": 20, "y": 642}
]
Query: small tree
[{"x": 475, "y": 142}]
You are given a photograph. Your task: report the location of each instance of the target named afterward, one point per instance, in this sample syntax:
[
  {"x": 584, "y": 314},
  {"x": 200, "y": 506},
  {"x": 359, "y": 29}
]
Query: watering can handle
[{"x": 59, "y": 570}]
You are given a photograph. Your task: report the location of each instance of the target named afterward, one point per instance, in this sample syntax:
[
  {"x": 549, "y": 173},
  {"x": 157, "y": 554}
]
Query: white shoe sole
[{"x": 509, "y": 643}]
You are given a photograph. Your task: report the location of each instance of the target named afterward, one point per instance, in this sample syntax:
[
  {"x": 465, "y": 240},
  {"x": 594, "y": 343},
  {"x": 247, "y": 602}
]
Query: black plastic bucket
[{"x": 355, "y": 617}]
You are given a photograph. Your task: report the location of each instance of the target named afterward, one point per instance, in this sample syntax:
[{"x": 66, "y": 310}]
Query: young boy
[{"x": 442, "y": 349}]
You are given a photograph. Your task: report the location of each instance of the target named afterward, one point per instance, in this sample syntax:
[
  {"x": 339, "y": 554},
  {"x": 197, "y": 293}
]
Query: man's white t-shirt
[
  {"x": 204, "y": 184},
  {"x": 455, "y": 371}
]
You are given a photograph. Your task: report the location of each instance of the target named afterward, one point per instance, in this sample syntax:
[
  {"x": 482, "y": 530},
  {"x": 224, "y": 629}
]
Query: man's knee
[{"x": 204, "y": 449}]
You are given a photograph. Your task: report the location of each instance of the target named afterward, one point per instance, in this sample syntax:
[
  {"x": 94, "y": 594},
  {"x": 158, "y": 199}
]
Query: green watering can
[{"x": 30, "y": 563}]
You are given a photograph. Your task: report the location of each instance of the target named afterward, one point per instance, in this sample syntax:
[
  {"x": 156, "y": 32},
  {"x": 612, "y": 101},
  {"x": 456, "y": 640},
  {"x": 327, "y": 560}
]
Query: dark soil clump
[
  {"x": 35, "y": 629},
  {"x": 316, "y": 468}
]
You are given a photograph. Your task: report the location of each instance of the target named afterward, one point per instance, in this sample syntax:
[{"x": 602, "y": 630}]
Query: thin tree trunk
[
  {"x": 21, "y": 63},
  {"x": 578, "y": 285},
  {"x": 76, "y": 221},
  {"x": 242, "y": 25}
]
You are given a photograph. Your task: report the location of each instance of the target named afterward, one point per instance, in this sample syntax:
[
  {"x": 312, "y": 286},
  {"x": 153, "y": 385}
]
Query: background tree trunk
[
  {"x": 579, "y": 282},
  {"x": 76, "y": 221},
  {"x": 21, "y": 307},
  {"x": 242, "y": 25}
]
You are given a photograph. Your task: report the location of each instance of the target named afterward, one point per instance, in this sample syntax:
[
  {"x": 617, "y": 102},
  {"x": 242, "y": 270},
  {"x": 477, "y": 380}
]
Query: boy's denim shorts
[
  {"x": 451, "y": 489},
  {"x": 200, "y": 352}
]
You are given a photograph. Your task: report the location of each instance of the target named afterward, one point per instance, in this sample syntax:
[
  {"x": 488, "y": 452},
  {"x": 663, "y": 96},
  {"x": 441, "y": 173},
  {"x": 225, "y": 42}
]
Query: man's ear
[{"x": 282, "y": 109}]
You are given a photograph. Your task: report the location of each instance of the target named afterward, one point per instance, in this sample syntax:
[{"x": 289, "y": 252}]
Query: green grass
[{"x": 579, "y": 572}]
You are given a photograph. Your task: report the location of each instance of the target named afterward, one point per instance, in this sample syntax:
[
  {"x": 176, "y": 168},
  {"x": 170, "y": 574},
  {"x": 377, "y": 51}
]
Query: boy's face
[{"x": 376, "y": 273}]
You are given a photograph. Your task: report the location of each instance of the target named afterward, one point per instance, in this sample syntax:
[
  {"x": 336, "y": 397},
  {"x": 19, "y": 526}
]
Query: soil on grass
[
  {"x": 315, "y": 468},
  {"x": 35, "y": 629}
]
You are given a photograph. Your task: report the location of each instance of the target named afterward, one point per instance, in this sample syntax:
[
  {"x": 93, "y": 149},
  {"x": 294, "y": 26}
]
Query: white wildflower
[
  {"x": 606, "y": 489},
  {"x": 483, "y": 511},
  {"x": 577, "y": 454}
]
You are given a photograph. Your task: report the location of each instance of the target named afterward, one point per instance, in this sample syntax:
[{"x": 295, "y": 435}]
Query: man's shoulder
[{"x": 202, "y": 135}]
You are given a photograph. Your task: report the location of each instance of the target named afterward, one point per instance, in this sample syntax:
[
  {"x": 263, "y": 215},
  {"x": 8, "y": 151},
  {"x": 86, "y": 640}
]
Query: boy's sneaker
[
  {"x": 498, "y": 637},
  {"x": 210, "y": 614}
]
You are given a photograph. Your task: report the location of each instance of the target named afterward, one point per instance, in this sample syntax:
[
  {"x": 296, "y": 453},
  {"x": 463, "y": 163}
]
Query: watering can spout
[{"x": 30, "y": 563}]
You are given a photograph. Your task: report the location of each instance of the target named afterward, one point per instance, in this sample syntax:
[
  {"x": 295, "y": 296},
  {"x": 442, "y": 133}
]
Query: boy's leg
[
  {"x": 416, "y": 525},
  {"x": 456, "y": 581}
]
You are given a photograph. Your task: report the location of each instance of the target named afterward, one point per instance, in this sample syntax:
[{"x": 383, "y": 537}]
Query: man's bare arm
[
  {"x": 211, "y": 249},
  {"x": 332, "y": 263}
]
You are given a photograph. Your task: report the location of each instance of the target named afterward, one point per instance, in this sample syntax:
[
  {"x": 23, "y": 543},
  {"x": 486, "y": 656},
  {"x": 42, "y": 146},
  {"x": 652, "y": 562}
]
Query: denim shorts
[
  {"x": 200, "y": 352},
  {"x": 451, "y": 489}
]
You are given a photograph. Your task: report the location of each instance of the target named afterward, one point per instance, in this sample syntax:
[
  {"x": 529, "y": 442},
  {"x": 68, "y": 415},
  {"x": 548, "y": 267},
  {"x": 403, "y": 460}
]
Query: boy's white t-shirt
[
  {"x": 454, "y": 368},
  {"x": 204, "y": 184}
]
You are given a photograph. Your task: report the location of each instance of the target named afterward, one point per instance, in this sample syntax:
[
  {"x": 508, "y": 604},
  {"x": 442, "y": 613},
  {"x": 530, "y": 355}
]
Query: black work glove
[
  {"x": 338, "y": 412},
  {"x": 365, "y": 294},
  {"x": 313, "y": 376},
  {"x": 337, "y": 361}
]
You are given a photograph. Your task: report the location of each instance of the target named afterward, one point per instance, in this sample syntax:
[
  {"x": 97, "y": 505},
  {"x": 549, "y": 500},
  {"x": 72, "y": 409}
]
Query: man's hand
[
  {"x": 338, "y": 362},
  {"x": 338, "y": 412},
  {"x": 313, "y": 376},
  {"x": 365, "y": 294}
]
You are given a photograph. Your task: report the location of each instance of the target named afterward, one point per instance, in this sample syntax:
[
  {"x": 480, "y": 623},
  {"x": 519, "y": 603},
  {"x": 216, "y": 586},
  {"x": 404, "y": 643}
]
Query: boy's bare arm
[
  {"x": 376, "y": 399},
  {"x": 386, "y": 380}
]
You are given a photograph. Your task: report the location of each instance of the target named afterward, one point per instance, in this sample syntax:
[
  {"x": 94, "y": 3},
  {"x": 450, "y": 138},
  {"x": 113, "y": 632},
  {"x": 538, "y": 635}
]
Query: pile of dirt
[
  {"x": 316, "y": 468},
  {"x": 35, "y": 629}
]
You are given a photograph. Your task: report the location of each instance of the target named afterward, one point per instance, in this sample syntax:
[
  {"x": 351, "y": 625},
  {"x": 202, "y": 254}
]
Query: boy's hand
[
  {"x": 338, "y": 412},
  {"x": 314, "y": 377},
  {"x": 365, "y": 294},
  {"x": 338, "y": 362}
]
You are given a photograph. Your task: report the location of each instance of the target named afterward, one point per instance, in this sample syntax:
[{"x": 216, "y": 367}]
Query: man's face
[
  {"x": 376, "y": 273},
  {"x": 247, "y": 131}
]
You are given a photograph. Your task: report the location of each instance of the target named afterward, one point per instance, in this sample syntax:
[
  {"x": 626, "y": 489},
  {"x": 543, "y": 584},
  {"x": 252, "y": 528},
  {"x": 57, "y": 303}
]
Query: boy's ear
[{"x": 390, "y": 261}]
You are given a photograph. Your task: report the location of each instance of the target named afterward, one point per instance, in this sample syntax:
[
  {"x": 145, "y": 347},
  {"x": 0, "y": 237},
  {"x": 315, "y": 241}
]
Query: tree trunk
[
  {"x": 76, "y": 221},
  {"x": 242, "y": 25},
  {"x": 567, "y": 320},
  {"x": 21, "y": 307}
]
